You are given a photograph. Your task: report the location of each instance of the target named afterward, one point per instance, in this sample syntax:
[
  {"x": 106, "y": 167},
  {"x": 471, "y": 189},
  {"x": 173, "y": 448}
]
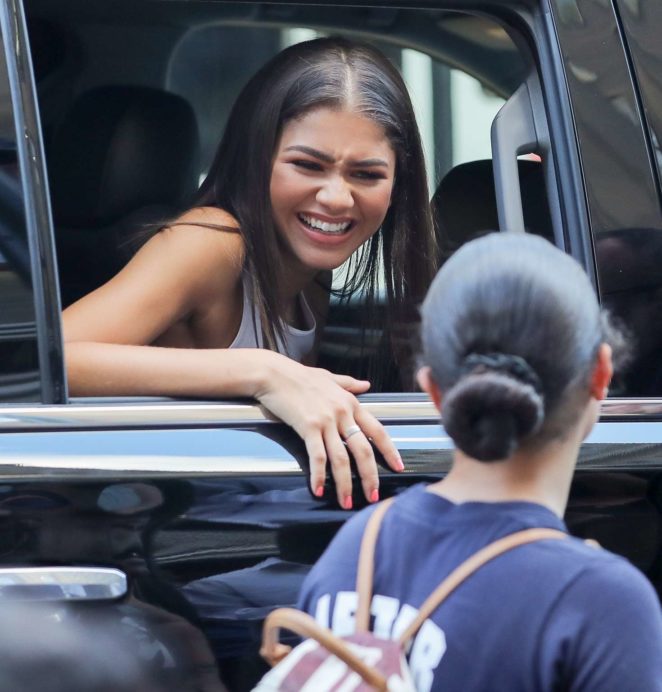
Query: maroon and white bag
[{"x": 324, "y": 662}]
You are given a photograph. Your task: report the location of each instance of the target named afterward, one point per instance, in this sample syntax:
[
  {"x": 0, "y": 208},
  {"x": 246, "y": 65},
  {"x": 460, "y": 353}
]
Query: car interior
[{"x": 133, "y": 97}]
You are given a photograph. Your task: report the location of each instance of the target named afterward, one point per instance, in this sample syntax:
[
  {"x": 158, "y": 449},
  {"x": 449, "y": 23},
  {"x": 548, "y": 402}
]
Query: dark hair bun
[{"x": 488, "y": 414}]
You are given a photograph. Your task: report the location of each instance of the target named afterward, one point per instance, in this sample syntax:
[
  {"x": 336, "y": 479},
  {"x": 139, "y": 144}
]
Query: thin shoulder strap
[
  {"x": 469, "y": 566},
  {"x": 201, "y": 224},
  {"x": 366, "y": 567}
]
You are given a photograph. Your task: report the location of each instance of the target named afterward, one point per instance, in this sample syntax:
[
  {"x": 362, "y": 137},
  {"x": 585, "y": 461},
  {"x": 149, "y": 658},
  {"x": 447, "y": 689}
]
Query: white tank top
[{"x": 298, "y": 343}]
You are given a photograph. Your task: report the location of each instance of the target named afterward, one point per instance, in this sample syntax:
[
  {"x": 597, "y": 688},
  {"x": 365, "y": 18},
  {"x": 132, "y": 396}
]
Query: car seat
[
  {"x": 464, "y": 204},
  {"x": 122, "y": 158}
]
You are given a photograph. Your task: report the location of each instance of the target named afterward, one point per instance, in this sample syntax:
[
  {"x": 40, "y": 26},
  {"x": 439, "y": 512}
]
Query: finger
[
  {"x": 339, "y": 462},
  {"x": 350, "y": 384},
  {"x": 380, "y": 438},
  {"x": 317, "y": 459},
  {"x": 364, "y": 456}
]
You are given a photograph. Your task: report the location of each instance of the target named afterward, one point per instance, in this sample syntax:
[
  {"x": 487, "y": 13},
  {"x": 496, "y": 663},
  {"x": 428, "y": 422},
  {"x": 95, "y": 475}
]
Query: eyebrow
[{"x": 315, "y": 153}]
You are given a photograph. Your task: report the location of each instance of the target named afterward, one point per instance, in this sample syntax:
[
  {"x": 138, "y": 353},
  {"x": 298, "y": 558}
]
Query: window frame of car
[{"x": 36, "y": 206}]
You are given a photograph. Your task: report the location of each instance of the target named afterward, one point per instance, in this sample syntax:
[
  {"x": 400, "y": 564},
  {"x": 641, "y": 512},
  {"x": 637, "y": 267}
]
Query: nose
[{"x": 335, "y": 194}]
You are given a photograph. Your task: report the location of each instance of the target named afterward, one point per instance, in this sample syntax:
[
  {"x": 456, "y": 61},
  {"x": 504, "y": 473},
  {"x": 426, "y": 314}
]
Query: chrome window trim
[
  {"x": 155, "y": 414},
  {"x": 411, "y": 408}
]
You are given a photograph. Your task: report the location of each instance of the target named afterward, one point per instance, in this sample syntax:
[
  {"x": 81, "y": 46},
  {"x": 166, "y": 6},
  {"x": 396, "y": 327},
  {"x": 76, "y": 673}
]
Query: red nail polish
[
  {"x": 374, "y": 495},
  {"x": 348, "y": 502},
  {"x": 319, "y": 491}
]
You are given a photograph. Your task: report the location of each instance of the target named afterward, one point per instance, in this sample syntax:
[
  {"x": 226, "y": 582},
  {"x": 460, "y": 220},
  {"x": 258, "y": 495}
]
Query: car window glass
[
  {"x": 640, "y": 19},
  {"x": 623, "y": 190},
  {"x": 19, "y": 372},
  {"x": 643, "y": 246}
]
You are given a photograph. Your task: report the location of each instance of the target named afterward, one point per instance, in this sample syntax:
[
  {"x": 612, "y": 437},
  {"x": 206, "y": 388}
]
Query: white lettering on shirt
[
  {"x": 428, "y": 648},
  {"x": 391, "y": 620},
  {"x": 344, "y": 613},
  {"x": 385, "y": 610}
]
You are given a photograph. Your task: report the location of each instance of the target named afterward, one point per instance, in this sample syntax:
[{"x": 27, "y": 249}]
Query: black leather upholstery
[
  {"x": 123, "y": 156},
  {"x": 465, "y": 203}
]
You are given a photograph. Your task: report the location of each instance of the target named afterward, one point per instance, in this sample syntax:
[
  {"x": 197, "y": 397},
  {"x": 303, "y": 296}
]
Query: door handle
[{"x": 62, "y": 583}]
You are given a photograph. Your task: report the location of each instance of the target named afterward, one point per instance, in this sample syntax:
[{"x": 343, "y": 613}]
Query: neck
[{"x": 543, "y": 476}]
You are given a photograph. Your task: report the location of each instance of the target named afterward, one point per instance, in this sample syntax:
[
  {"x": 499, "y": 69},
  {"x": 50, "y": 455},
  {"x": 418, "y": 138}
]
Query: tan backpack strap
[
  {"x": 305, "y": 626},
  {"x": 366, "y": 567},
  {"x": 469, "y": 566}
]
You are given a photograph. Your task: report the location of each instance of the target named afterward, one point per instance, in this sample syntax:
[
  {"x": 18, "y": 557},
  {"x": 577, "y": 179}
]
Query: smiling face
[{"x": 331, "y": 185}]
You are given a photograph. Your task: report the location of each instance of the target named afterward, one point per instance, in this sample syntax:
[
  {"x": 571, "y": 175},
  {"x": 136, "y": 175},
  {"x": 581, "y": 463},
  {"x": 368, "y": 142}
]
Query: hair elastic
[{"x": 506, "y": 363}]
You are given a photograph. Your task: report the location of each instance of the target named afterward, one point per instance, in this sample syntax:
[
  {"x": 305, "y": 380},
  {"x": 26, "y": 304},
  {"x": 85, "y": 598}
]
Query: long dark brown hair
[{"x": 332, "y": 73}]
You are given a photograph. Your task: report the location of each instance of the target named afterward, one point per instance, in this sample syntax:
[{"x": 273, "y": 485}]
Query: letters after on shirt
[{"x": 391, "y": 619}]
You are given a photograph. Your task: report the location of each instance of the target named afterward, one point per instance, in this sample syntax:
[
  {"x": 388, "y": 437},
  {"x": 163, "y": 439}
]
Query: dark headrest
[
  {"x": 120, "y": 148},
  {"x": 465, "y": 203}
]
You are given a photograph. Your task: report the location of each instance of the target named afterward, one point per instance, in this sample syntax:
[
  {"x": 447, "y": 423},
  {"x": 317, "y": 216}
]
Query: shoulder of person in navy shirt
[{"x": 517, "y": 357}]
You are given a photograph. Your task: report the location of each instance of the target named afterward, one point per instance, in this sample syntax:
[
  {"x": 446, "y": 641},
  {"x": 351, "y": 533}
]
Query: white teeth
[{"x": 324, "y": 226}]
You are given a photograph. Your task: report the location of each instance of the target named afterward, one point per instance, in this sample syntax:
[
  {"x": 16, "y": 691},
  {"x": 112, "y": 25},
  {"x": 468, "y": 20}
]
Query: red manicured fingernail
[
  {"x": 319, "y": 491},
  {"x": 348, "y": 502},
  {"x": 374, "y": 495}
]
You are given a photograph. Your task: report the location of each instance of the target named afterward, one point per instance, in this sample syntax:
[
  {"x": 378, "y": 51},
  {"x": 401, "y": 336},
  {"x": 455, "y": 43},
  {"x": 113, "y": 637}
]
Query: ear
[
  {"x": 602, "y": 373},
  {"x": 429, "y": 386}
]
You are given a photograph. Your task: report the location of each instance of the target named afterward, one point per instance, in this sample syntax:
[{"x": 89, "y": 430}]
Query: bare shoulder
[{"x": 203, "y": 243}]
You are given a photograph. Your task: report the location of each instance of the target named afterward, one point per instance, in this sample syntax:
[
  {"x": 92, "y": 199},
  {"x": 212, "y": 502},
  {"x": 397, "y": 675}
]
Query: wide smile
[{"x": 338, "y": 228}]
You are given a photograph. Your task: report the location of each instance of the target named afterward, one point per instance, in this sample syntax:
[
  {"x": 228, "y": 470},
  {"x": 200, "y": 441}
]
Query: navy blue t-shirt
[{"x": 552, "y": 615}]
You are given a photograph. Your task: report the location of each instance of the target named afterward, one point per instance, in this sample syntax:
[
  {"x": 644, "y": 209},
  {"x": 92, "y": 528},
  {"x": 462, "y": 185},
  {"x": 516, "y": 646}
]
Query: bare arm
[{"x": 101, "y": 369}]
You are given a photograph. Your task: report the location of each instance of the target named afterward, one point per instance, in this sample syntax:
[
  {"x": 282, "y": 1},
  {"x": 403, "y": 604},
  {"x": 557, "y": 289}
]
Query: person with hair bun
[{"x": 517, "y": 356}]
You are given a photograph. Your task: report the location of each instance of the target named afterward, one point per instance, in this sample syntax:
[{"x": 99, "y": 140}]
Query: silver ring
[{"x": 352, "y": 430}]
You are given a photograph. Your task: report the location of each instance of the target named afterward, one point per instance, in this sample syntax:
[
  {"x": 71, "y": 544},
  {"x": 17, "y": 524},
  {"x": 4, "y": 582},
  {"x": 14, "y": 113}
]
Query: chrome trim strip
[
  {"x": 177, "y": 414},
  {"x": 411, "y": 408},
  {"x": 631, "y": 408},
  {"x": 62, "y": 583},
  {"x": 132, "y": 465}
]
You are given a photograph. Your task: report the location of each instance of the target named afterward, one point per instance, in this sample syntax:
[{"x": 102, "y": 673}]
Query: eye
[
  {"x": 307, "y": 165},
  {"x": 369, "y": 175}
]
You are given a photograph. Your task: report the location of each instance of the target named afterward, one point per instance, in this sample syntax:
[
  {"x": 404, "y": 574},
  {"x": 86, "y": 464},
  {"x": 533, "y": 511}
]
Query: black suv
[{"x": 190, "y": 520}]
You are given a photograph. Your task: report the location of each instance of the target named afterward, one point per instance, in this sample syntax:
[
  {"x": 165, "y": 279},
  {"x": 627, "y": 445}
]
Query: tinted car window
[
  {"x": 621, "y": 189},
  {"x": 640, "y": 20}
]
